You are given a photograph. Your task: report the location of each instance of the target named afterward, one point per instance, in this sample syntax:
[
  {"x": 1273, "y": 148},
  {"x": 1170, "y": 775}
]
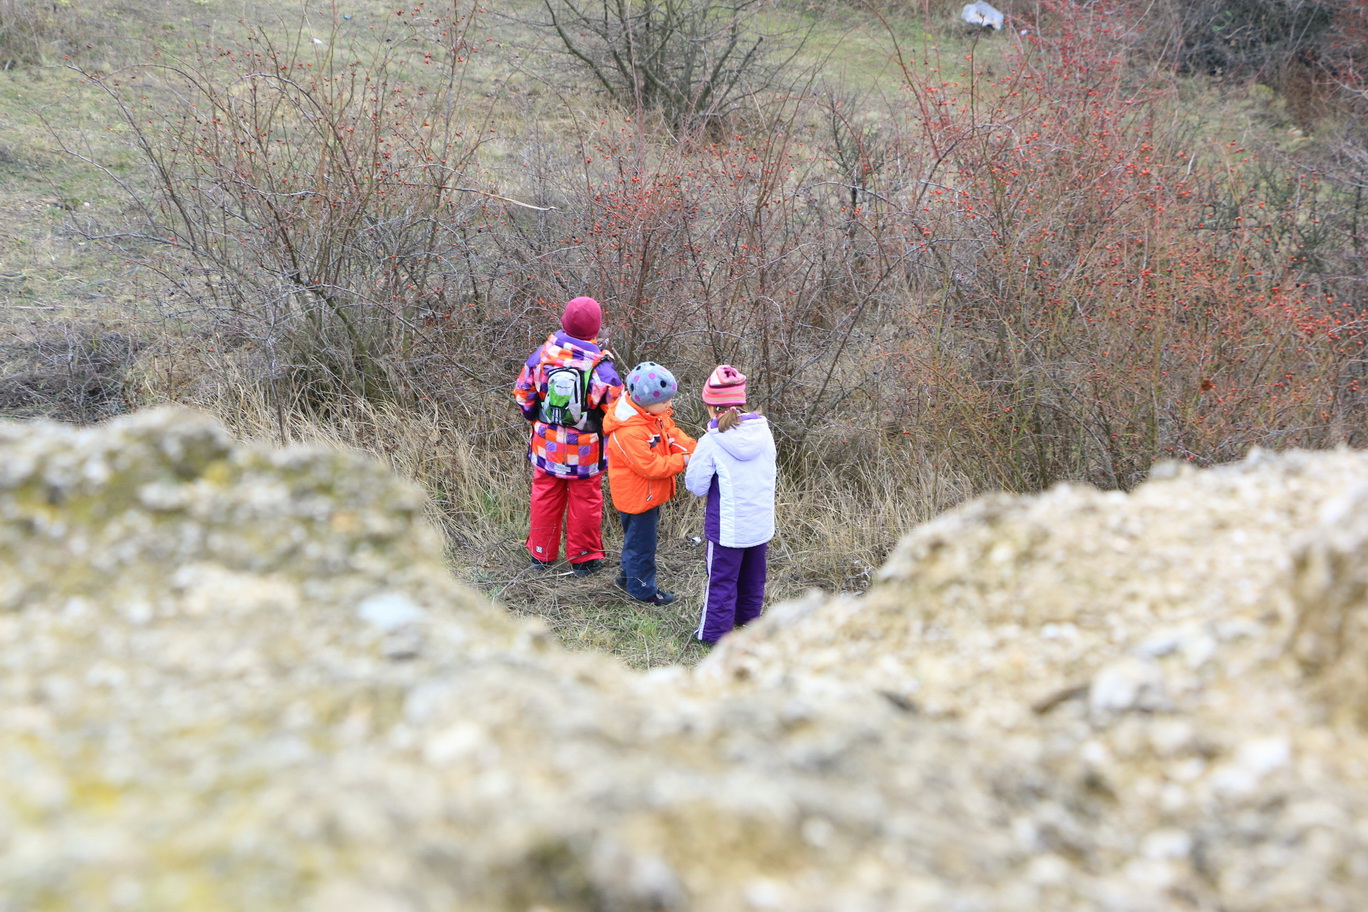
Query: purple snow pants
[{"x": 736, "y": 589}]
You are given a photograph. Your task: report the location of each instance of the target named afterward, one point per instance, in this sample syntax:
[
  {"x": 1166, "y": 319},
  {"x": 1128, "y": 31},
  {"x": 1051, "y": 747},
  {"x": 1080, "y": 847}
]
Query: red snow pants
[{"x": 576, "y": 503}]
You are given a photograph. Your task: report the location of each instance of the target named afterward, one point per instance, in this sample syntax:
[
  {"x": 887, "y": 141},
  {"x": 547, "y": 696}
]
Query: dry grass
[
  {"x": 834, "y": 527},
  {"x": 34, "y": 32}
]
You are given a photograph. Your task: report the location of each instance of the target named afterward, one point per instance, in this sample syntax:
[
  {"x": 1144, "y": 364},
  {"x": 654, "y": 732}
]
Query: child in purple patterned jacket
[{"x": 564, "y": 389}]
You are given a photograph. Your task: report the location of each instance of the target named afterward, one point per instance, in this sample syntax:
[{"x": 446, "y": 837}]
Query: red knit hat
[
  {"x": 726, "y": 386},
  {"x": 582, "y": 318}
]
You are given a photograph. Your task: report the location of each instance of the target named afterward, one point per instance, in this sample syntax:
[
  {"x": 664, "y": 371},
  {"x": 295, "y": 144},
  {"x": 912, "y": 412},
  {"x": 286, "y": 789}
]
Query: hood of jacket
[
  {"x": 562, "y": 350},
  {"x": 625, "y": 411},
  {"x": 747, "y": 440}
]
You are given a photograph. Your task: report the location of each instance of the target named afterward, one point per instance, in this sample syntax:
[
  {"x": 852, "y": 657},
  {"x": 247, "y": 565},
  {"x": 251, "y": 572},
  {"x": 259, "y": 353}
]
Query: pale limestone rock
[
  {"x": 239, "y": 678},
  {"x": 1139, "y": 645}
]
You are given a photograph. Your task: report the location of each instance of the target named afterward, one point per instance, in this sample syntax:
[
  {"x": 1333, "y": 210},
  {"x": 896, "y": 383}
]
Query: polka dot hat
[{"x": 649, "y": 383}]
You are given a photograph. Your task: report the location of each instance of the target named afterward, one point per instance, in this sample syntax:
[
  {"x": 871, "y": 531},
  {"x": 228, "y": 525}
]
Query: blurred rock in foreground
[{"x": 239, "y": 678}]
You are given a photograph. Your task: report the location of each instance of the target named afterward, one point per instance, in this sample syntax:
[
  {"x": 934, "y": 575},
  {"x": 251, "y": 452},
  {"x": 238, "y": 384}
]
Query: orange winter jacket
[{"x": 645, "y": 453}]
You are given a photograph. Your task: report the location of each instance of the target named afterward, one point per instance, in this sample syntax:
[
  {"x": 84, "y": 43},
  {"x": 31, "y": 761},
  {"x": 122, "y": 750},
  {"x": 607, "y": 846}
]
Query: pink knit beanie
[
  {"x": 582, "y": 318},
  {"x": 726, "y": 386}
]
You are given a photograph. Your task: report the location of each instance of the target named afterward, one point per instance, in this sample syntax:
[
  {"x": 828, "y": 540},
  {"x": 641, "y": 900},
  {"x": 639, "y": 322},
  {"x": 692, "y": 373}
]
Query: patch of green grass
[
  {"x": 857, "y": 50},
  {"x": 642, "y": 635}
]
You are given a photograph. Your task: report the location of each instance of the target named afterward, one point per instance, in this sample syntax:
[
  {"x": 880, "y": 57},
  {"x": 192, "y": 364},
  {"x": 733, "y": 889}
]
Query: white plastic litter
[{"x": 983, "y": 14}]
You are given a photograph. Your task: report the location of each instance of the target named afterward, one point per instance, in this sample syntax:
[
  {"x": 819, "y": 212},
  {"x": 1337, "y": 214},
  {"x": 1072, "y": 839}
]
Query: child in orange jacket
[{"x": 645, "y": 453}]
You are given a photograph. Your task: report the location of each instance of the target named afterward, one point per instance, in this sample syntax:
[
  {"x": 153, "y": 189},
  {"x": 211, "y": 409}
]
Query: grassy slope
[
  {"x": 69, "y": 309},
  {"x": 51, "y": 280}
]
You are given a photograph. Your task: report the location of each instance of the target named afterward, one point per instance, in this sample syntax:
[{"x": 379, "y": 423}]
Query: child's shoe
[
  {"x": 661, "y": 597},
  {"x": 587, "y": 568}
]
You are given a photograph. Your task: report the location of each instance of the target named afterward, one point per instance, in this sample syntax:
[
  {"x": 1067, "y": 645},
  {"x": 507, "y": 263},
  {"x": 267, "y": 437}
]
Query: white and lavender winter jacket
[{"x": 735, "y": 470}]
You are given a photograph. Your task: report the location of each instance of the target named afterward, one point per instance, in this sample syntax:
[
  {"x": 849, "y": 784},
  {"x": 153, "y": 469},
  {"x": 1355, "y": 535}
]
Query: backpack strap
[{"x": 594, "y": 419}]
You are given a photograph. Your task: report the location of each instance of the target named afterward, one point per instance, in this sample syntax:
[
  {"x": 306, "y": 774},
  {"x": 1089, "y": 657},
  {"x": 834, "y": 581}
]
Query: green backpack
[{"x": 566, "y": 400}]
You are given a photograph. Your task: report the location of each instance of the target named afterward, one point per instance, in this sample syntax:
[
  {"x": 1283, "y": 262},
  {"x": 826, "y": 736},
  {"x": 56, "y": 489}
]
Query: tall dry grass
[
  {"x": 33, "y": 32},
  {"x": 835, "y": 523}
]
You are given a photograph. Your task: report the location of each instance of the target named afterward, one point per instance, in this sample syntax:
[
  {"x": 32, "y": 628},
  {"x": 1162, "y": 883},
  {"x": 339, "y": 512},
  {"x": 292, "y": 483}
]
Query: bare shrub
[
  {"x": 1245, "y": 38},
  {"x": 693, "y": 61},
  {"x": 1108, "y": 296},
  {"x": 65, "y": 370},
  {"x": 315, "y": 197},
  {"x": 1309, "y": 50},
  {"x": 1033, "y": 270},
  {"x": 744, "y": 249}
]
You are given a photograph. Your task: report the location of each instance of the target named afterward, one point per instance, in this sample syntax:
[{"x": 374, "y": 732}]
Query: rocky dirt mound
[{"x": 241, "y": 678}]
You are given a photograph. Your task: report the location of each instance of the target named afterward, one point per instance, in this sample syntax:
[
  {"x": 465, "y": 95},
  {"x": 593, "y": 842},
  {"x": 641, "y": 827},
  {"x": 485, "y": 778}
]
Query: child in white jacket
[{"x": 734, "y": 468}]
